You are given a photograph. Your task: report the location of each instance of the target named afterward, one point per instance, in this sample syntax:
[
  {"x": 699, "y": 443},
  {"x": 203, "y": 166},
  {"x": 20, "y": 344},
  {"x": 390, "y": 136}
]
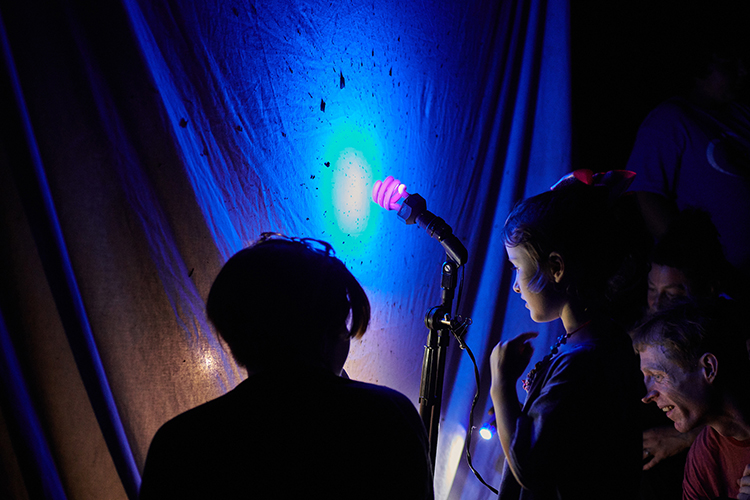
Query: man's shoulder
[
  {"x": 321, "y": 394},
  {"x": 707, "y": 439},
  {"x": 375, "y": 391},
  {"x": 672, "y": 113},
  {"x": 710, "y": 441}
]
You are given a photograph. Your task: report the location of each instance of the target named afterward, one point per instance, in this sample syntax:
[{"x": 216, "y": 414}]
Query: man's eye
[{"x": 653, "y": 377}]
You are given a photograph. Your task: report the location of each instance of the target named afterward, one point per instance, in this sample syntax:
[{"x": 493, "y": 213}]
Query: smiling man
[{"x": 695, "y": 365}]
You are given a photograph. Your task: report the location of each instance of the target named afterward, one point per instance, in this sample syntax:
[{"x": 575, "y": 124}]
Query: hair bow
[{"x": 617, "y": 181}]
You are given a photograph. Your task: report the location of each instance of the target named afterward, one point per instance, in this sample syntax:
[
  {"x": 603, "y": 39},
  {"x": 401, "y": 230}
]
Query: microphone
[{"x": 413, "y": 210}]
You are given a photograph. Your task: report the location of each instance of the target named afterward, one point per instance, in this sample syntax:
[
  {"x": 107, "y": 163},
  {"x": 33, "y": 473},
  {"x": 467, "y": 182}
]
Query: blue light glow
[
  {"x": 351, "y": 177},
  {"x": 352, "y": 165}
]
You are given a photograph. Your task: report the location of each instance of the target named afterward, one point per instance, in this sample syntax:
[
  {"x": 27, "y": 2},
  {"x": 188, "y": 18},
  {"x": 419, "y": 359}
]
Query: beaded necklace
[{"x": 561, "y": 340}]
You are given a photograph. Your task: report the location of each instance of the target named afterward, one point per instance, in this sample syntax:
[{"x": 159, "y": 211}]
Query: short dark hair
[
  {"x": 688, "y": 329},
  {"x": 284, "y": 297},
  {"x": 691, "y": 244}
]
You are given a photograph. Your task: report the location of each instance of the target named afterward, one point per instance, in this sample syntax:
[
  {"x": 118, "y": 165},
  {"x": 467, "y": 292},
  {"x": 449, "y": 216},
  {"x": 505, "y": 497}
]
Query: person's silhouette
[{"x": 287, "y": 309}]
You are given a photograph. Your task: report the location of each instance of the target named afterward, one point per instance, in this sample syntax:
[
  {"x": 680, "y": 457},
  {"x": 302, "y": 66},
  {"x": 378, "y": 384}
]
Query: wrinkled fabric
[{"x": 148, "y": 141}]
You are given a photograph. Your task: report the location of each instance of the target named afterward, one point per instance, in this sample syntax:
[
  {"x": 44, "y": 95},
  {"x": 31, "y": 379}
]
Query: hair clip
[{"x": 319, "y": 246}]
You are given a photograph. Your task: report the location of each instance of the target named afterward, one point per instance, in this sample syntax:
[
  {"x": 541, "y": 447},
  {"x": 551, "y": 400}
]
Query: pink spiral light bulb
[{"x": 388, "y": 192}]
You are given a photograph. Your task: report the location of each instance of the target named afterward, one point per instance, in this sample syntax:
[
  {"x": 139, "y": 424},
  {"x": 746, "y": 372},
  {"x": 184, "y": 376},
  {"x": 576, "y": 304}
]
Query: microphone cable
[{"x": 458, "y": 329}]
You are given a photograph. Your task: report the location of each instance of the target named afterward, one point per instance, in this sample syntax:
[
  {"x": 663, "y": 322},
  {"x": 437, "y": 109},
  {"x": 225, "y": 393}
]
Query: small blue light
[{"x": 486, "y": 433}]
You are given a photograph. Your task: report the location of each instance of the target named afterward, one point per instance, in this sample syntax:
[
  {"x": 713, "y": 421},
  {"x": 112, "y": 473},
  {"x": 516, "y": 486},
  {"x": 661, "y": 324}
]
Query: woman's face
[{"x": 544, "y": 305}]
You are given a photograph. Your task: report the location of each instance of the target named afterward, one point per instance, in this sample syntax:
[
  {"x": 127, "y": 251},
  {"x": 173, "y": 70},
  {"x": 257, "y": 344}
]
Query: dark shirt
[
  {"x": 308, "y": 434},
  {"x": 579, "y": 435},
  {"x": 699, "y": 157}
]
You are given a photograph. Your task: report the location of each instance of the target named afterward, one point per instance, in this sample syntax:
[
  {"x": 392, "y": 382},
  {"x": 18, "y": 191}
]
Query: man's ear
[
  {"x": 556, "y": 266},
  {"x": 710, "y": 366}
]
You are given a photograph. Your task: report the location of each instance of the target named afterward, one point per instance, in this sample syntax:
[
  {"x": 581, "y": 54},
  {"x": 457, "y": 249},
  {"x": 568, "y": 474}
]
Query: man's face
[
  {"x": 682, "y": 394},
  {"x": 664, "y": 285}
]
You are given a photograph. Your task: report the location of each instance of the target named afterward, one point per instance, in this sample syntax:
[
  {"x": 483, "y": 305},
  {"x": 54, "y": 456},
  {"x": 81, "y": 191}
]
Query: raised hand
[
  {"x": 509, "y": 359},
  {"x": 744, "y": 483}
]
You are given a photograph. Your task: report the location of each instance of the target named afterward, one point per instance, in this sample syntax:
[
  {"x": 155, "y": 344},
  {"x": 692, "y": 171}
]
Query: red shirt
[{"x": 714, "y": 464}]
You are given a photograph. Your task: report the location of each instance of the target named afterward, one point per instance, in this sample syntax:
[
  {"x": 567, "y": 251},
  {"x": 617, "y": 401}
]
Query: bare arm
[
  {"x": 507, "y": 363},
  {"x": 663, "y": 442}
]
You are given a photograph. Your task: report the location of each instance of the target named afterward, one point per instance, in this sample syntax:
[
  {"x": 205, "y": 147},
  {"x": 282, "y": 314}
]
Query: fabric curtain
[{"x": 144, "y": 142}]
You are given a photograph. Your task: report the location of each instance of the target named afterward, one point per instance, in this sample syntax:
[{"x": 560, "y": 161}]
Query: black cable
[{"x": 458, "y": 331}]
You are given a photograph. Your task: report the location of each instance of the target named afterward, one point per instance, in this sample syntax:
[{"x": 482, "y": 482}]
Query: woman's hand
[
  {"x": 507, "y": 362},
  {"x": 509, "y": 359}
]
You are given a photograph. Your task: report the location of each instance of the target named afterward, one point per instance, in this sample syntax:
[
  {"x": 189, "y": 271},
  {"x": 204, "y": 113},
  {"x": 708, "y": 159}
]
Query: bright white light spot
[
  {"x": 485, "y": 433},
  {"x": 447, "y": 465},
  {"x": 208, "y": 361},
  {"x": 352, "y": 178}
]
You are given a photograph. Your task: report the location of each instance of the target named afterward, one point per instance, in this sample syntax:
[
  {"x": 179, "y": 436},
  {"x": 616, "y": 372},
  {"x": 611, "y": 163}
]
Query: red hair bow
[{"x": 617, "y": 181}]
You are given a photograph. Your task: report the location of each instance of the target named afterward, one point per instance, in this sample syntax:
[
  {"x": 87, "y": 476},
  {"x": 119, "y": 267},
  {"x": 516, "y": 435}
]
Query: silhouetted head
[
  {"x": 716, "y": 60},
  {"x": 287, "y": 300}
]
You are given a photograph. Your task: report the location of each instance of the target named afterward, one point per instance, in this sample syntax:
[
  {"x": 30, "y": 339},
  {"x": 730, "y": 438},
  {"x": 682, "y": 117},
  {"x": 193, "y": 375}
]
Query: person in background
[
  {"x": 695, "y": 366},
  {"x": 693, "y": 150},
  {"x": 287, "y": 308},
  {"x": 686, "y": 263}
]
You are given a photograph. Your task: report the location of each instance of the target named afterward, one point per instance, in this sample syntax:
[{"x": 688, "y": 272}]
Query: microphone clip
[{"x": 414, "y": 211}]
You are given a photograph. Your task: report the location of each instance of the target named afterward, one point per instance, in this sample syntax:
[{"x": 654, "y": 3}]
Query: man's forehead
[
  {"x": 654, "y": 357},
  {"x": 666, "y": 275}
]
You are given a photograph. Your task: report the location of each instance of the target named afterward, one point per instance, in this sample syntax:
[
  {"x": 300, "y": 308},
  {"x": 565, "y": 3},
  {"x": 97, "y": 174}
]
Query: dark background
[{"x": 627, "y": 57}]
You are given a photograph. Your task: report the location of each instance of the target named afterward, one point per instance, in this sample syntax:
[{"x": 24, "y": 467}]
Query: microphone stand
[
  {"x": 433, "y": 363},
  {"x": 438, "y": 319}
]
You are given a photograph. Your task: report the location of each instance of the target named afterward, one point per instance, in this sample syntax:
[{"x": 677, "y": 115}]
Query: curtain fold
[
  {"x": 26, "y": 434},
  {"x": 29, "y": 176},
  {"x": 170, "y": 134},
  {"x": 531, "y": 126}
]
